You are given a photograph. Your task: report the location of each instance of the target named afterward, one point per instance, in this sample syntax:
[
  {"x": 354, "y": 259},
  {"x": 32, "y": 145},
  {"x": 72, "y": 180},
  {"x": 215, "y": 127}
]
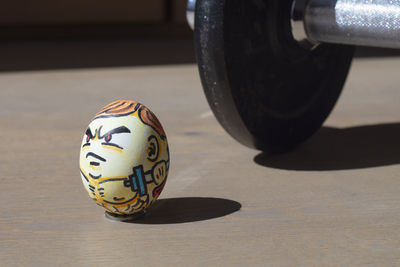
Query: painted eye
[
  {"x": 119, "y": 140},
  {"x": 87, "y": 137}
]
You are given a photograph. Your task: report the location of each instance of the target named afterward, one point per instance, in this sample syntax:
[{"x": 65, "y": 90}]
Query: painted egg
[{"x": 124, "y": 158}]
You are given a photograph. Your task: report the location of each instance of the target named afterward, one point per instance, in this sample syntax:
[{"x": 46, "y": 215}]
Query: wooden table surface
[{"x": 334, "y": 201}]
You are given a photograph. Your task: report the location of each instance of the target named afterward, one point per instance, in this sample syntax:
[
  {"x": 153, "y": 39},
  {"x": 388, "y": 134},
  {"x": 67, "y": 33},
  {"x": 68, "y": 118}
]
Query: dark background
[
  {"x": 46, "y": 34},
  {"x": 47, "y": 19}
]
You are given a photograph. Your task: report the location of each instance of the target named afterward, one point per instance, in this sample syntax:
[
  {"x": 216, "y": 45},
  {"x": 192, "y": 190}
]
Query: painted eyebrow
[{"x": 118, "y": 130}]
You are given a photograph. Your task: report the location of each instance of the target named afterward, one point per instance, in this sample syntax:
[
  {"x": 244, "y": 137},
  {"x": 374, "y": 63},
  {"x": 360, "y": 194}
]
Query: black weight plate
[{"x": 264, "y": 88}]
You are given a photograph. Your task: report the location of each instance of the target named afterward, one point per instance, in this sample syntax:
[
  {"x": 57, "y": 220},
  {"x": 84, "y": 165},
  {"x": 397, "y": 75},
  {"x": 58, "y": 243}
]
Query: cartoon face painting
[{"x": 124, "y": 158}]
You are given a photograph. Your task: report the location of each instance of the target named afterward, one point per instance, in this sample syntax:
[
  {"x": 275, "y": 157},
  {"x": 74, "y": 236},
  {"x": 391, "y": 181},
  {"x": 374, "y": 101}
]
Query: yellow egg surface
[{"x": 124, "y": 158}]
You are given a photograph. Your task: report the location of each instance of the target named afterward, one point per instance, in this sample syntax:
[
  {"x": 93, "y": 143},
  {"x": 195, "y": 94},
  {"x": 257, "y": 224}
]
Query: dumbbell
[{"x": 272, "y": 70}]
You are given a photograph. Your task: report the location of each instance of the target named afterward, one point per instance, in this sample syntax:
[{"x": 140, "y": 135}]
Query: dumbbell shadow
[{"x": 341, "y": 149}]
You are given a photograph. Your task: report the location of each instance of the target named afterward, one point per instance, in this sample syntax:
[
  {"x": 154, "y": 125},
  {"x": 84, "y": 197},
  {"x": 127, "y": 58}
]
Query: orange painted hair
[{"x": 121, "y": 108}]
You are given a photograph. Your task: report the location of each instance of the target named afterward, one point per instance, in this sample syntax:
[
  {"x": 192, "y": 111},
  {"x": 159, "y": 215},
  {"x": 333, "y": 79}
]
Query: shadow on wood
[
  {"x": 341, "y": 149},
  {"x": 75, "y": 54},
  {"x": 189, "y": 209}
]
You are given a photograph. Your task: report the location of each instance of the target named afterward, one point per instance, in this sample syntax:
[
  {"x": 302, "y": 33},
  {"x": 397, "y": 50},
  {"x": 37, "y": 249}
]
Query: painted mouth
[{"x": 95, "y": 177}]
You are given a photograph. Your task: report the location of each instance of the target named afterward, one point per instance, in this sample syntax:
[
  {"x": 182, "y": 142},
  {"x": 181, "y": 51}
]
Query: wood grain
[{"x": 220, "y": 206}]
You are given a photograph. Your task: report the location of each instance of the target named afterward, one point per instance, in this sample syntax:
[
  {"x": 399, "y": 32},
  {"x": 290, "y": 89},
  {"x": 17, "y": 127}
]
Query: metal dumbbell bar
[{"x": 354, "y": 22}]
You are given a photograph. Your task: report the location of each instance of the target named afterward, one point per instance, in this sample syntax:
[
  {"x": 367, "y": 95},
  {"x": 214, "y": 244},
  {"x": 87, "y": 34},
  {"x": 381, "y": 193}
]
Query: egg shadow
[
  {"x": 341, "y": 149},
  {"x": 188, "y": 209}
]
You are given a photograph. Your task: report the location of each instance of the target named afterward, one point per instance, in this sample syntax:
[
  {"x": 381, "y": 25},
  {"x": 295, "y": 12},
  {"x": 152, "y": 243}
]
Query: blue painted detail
[
  {"x": 139, "y": 175},
  {"x": 134, "y": 184}
]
